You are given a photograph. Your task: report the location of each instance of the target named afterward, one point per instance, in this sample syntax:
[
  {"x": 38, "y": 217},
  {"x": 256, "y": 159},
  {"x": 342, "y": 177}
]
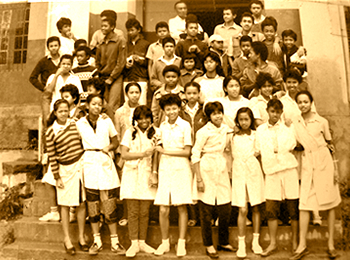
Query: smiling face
[
  {"x": 189, "y": 64},
  {"x": 292, "y": 86},
  {"x": 95, "y": 106},
  {"x": 106, "y": 28},
  {"x": 134, "y": 94},
  {"x": 144, "y": 122},
  {"x": 216, "y": 118},
  {"x": 288, "y": 41},
  {"x": 269, "y": 32},
  {"x": 172, "y": 112},
  {"x": 66, "y": 64},
  {"x": 233, "y": 89},
  {"x": 65, "y": 31},
  {"x": 304, "y": 103},
  {"x": 274, "y": 115},
  {"x": 62, "y": 113},
  {"x": 266, "y": 90},
  {"x": 244, "y": 120}
]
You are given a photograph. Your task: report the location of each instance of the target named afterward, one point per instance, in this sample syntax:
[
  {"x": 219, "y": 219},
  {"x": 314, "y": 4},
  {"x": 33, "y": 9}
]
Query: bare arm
[{"x": 185, "y": 152}]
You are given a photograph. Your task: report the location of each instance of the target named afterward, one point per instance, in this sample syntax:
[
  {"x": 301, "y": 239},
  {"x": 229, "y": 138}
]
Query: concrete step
[
  {"x": 30, "y": 229},
  {"x": 55, "y": 251}
]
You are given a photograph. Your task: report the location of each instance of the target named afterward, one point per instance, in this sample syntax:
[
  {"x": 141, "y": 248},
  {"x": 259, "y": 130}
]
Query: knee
[
  {"x": 94, "y": 211},
  {"x": 164, "y": 211},
  {"x": 293, "y": 208},
  {"x": 243, "y": 211},
  {"x": 110, "y": 210}
]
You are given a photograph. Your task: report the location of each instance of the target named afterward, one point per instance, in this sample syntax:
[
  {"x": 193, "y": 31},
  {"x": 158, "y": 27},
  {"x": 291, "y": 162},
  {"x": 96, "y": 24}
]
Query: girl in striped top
[{"x": 65, "y": 152}]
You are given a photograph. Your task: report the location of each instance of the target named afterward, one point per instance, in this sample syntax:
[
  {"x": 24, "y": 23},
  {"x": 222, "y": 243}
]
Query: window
[{"x": 14, "y": 26}]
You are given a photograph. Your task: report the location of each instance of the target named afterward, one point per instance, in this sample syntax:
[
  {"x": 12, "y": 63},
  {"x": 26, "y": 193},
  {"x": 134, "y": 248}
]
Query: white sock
[
  {"x": 165, "y": 241},
  {"x": 114, "y": 239},
  {"x": 97, "y": 239},
  {"x": 181, "y": 241},
  {"x": 256, "y": 238},
  {"x": 134, "y": 242},
  {"x": 54, "y": 209},
  {"x": 241, "y": 241}
]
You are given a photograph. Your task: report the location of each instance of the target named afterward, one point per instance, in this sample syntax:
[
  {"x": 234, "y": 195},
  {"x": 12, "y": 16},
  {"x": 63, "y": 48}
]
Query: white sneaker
[
  {"x": 51, "y": 216},
  {"x": 133, "y": 250},
  {"x": 241, "y": 252},
  {"x": 256, "y": 248},
  {"x": 72, "y": 217},
  {"x": 146, "y": 248},
  {"x": 163, "y": 248},
  {"x": 181, "y": 249}
]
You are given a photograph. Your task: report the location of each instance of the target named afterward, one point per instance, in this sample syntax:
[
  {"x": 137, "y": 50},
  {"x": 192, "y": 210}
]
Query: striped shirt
[{"x": 63, "y": 147}]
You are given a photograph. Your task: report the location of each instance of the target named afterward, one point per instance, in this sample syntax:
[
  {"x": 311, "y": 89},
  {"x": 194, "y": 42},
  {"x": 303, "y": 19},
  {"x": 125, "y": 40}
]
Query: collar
[
  {"x": 169, "y": 62},
  {"x": 158, "y": 43},
  {"x": 136, "y": 40},
  {"x": 262, "y": 18},
  {"x": 176, "y": 90},
  {"x": 178, "y": 121},
  {"x": 184, "y": 72},
  {"x": 195, "y": 108},
  {"x": 317, "y": 118},
  {"x": 216, "y": 77},
  {"x": 211, "y": 126},
  {"x": 84, "y": 65},
  {"x": 49, "y": 57},
  {"x": 275, "y": 125},
  {"x": 234, "y": 26},
  {"x": 218, "y": 53},
  {"x": 57, "y": 127},
  {"x": 111, "y": 37},
  {"x": 179, "y": 18},
  {"x": 189, "y": 38}
]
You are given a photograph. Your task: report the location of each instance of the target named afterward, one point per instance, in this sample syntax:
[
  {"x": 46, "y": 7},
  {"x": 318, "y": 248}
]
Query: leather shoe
[
  {"x": 332, "y": 254},
  {"x": 269, "y": 252},
  {"x": 84, "y": 247},
  {"x": 297, "y": 256},
  {"x": 213, "y": 255},
  {"x": 70, "y": 251},
  {"x": 227, "y": 247}
]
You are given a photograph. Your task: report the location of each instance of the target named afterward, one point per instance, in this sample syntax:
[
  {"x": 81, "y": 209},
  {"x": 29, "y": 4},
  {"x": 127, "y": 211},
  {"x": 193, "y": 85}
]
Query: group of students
[{"x": 213, "y": 126}]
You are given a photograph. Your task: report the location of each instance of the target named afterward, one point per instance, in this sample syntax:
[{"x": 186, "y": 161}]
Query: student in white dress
[
  {"x": 138, "y": 187},
  {"x": 175, "y": 175},
  {"x": 247, "y": 179},
  {"x": 213, "y": 181},
  {"x": 100, "y": 139},
  {"x": 123, "y": 121}
]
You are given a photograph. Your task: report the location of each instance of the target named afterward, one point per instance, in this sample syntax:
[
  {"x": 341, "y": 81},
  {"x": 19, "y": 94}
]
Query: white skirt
[
  {"x": 48, "y": 177},
  {"x": 72, "y": 177}
]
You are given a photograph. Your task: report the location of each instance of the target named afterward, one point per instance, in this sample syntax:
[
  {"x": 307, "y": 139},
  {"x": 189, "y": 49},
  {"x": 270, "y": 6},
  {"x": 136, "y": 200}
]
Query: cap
[{"x": 215, "y": 37}]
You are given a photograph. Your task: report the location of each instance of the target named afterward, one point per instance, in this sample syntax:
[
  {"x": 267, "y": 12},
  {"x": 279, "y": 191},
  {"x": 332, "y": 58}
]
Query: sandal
[
  {"x": 123, "y": 222},
  {"x": 192, "y": 222}
]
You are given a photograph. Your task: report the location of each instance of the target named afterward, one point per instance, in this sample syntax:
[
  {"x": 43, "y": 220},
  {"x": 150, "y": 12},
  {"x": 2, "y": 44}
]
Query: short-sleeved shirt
[
  {"x": 67, "y": 46},
  {"x": 211, "y": 88},
  {"x": 175, "y": 136},
  {"x": 259, "y": 104},
  {"x": 155, "y": 51},
  {"x": 227, "y": 32}
]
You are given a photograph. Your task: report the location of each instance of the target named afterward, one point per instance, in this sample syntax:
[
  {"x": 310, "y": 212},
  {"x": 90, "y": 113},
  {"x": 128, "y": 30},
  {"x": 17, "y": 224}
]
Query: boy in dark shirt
[{"x": 191, "y": 44}]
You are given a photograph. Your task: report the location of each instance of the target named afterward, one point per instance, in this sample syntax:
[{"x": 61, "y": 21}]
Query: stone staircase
[{"x": 43, "y": 240}]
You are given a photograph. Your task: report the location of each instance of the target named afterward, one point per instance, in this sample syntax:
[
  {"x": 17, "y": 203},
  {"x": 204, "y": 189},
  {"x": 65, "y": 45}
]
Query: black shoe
[
  {"x": 84, "y": 247},
  {"x": 297, "y": 256},
  {"x": 332, "y": 254},
  {"x": 70, "y": 251},
  {"x": 213, "y": 255},
  {"x": 269, "y": 252},
  {"x": 227, "y": 247}
]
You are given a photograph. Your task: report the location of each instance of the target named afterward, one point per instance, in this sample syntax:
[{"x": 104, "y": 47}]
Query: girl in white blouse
[{"x": 213, "y": 182}]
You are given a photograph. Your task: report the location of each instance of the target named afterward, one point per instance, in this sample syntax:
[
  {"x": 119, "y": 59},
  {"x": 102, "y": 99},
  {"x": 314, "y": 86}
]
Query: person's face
[
  {"x": 181, "y": 10},
  {"x": 54, "y": 47},
  {"x": 218, "y": 45},
  {"x": 189, "y": 64},
  {"x": 192, "y": 94},
  {"x": 67, "y": 96},
  {"x": 192, "y": 29},
  {"x": 210, "y": 64},
  {"x": 171, "y": 79},
  {"x": 95, "y": 106},
  {"x": 266, "y": 90},
  {"x": 62, "y": 113},
  {"x": 216, "y": 118},
  {"x": 288, "y": 41},
  {"x": 256, "y": 10},
  {"x": 228, "y": 16},
  {"x": 246, "y": 47},
  {"x": 172, "y": 112},
  {"x": 244, "y": 120},
  {"x": 292, "y": 86},
  {"x": 233, "y": 89},
  {"x": 269, "y": 32},
  {"x": 82, "y": 57},
  {"x": 274, "y": 115},
  {"x": 247, "y": 23},
  {"x": 133, "y": 32},
  {"x": 162, "y": 32},
  {"x": 65, "y": 31},
  {"x": 169, "y": 49},
  {"x": 304, "y": 103},
  {"x": 106, "y": 28},
  {"x": 92, "y": 90},
  {"x": 134, "y": 94},
  {"x": 144, "y": 122},
  {"x": 66, "y": 64},
  {"x": 253, "y": 57}
]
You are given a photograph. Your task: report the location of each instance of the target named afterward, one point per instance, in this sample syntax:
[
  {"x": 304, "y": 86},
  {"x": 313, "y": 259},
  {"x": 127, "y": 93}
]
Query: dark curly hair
[{"x": 140, "y": 112}]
